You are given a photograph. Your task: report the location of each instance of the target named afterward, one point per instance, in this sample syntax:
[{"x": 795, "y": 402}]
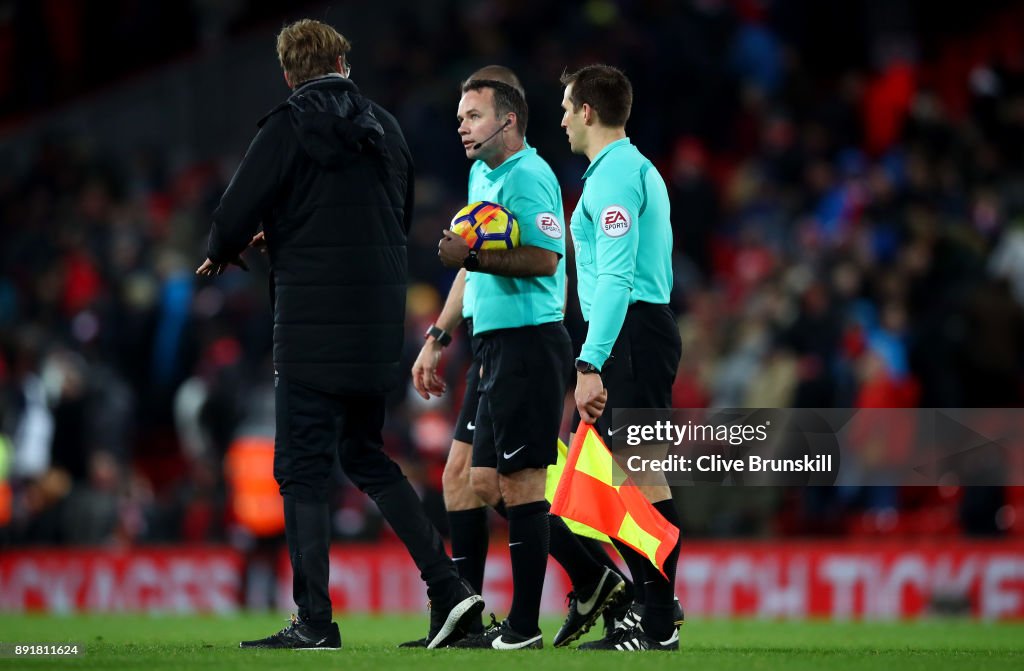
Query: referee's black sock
[
  {"x": 500, "y": 508},
  {"x": 660, "y": 603},
  {"x": 635, "y": 561},
  {"x": 584, "y": 571},
  {"x": 528, "y": 544},
  {"x": 596, "y": 550},
  {"x": 469, "y": 544}
]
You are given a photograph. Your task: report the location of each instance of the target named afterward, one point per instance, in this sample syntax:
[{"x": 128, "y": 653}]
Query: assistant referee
[{"x": 622, "y": 235}]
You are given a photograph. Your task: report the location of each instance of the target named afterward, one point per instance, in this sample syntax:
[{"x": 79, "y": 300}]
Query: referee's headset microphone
[{"x": 492, "y": 135}]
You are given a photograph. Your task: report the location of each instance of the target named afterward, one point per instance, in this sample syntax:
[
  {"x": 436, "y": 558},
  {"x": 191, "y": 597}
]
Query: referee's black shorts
[
  {"x": 465, "y": 426},
  {"x": 642, "y": 367},
  {"x": 526, "y": 372}
]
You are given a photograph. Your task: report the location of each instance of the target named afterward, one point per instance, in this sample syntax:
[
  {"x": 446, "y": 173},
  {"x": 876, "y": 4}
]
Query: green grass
[{"x": 152, "y": 643}]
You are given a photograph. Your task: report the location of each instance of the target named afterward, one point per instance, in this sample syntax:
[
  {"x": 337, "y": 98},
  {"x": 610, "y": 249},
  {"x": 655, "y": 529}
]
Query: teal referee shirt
[
  {"x": 477, "y": 172},
  {"x": 526, "y": 186},
  {"x": 622, "y": 233}
]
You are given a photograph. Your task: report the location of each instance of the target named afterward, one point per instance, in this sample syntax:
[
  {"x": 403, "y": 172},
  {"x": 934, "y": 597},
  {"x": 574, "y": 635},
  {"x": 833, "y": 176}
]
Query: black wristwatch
[
  {"x": 439, "y": 334},
  {"x": 472, "y": 261},
  {"x": 585, "y": 367}
]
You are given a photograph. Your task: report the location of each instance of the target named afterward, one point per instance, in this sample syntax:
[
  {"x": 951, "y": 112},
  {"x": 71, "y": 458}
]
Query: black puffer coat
[{"x": 330, "y": 177}]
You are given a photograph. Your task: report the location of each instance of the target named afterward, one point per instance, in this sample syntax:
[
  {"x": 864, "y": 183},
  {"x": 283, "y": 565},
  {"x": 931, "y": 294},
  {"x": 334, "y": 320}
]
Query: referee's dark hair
[
  {"x": 506, "y": 99},
  {"x": 605, "y": 88},
  {"x": 498, "y": 73}
]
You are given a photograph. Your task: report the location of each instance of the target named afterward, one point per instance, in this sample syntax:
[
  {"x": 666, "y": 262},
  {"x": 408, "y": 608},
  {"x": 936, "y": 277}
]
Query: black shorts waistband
[
  {"x": 536, "y": 328},
  {"x": 641, "y": 306}
]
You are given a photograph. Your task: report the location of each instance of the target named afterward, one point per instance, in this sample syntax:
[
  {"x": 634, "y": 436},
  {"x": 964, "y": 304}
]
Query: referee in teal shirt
[
  {"x": 524, "y": 350},
  {"x": 622, "y": 234},
  {"x": 466, "y": 506},
  {"x": 525, "y": 180}
]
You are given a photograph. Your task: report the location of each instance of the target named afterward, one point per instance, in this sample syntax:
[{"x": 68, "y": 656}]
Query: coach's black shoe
[
  {"x": 634, "y": 639},
  {"x": 452, "y": 618},
  {"x": 500, "y": 637},
  {"x": 583, "y": 613},
  {"x": 418, "y": 643},
  {"x": 299, "y": 636}
]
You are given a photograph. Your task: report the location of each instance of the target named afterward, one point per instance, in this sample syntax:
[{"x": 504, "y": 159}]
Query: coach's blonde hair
[{"x": 308, "y": 49}]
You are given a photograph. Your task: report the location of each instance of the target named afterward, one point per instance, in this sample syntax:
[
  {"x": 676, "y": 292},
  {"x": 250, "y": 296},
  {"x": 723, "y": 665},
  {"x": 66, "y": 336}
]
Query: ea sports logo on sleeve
[
  {"x": 615, "y": 221},
  {"x": 548, "y": 224}
]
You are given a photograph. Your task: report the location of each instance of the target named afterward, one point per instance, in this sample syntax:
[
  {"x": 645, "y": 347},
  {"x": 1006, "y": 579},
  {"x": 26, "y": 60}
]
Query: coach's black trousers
[{"x": 312, "y": 427}]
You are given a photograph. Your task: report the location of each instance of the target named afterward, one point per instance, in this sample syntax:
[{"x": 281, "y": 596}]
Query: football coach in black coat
[{"x": 330, "y": 178}]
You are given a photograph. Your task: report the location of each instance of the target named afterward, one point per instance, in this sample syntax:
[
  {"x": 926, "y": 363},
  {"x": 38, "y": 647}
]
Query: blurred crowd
[{"x": 848, "y": 211}]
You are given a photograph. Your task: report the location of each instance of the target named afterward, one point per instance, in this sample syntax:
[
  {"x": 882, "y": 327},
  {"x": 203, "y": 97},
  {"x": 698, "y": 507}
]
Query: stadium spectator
[{"x": 931, "y": 218}]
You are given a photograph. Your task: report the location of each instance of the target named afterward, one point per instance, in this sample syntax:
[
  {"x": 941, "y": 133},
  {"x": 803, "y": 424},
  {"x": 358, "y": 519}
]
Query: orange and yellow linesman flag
[
  {"x": 554, "y": 475},
  {"x": 587, "y": 494}
]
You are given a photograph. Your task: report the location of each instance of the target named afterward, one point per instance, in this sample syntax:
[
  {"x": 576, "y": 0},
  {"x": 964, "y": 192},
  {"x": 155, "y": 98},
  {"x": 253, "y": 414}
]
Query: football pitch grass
[{"x": 174, "y": 642}]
